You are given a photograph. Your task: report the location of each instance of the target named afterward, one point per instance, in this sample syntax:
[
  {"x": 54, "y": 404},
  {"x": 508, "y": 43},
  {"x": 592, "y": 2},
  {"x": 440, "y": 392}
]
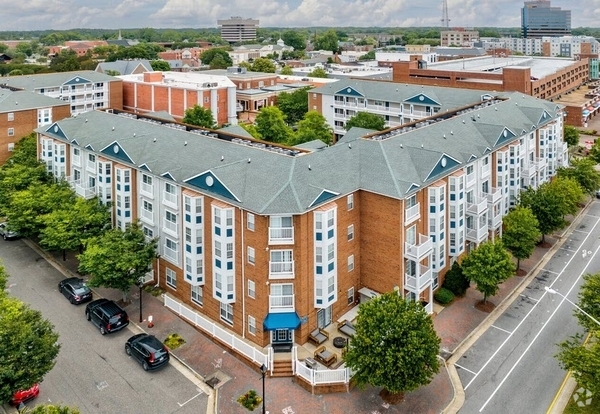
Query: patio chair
[
  {"x": 346, "y": 327},
  {"x": 318, "y": 336},
  {"x": 324, "y": 356}
]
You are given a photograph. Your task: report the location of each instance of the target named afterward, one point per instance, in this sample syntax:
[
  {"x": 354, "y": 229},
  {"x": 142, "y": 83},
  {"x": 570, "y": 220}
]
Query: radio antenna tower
[{"x": 445, "y": 19}]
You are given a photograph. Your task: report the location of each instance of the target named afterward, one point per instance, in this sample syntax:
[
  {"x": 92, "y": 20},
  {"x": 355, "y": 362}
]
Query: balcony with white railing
[
  {"x": 478, "y": 234},
  {"x": 281, "y": 235},
  {"x": 494, "y": 197},
  {"x": 82, "y": 190},
  {"x": 169, "y": 225},
  {"x": 477, "y": 206},
  {"x": 147, "y": 216},
  {"x": 471, "y": 179},
  {"x": 76, "y": 159},
  {"x": 171, "y": 254},
  {"x": 170, "y": 198},
  {"x": 529, "y": 171},
  {"x": 541, "y": 163},
  {"x": 283, "y": 303},
  {"x": 281, "y": 270},
  {"x": 419, "y": 251},
  {"x": 412, "y": 213},
  {"x": 485, "y": 170},
  {"x": 146, "y": 189},
  {"x": 416, "y": 283},
  {"x": 494, "y": 221}
]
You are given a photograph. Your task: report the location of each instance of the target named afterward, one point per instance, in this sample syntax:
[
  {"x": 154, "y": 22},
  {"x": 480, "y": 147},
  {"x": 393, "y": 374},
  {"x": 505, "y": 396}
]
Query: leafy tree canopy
[
  {"x": 370, "y": 55},
  {"x": 455, "y": 280},
  {"x": 546, "y": 208},
  {"x": 571, "y": 135},
  {"x": 395, "y": 346},
  {"x": 317, "y": 73},
  {"x": 589, "y": 301},
  {"x": 488, "y": 265},
  {"x": 262, "y": 65},
  {"x": 295, "y": 39},
  {"x": 568, "y": 192},
  {"x": 147, "y": 51},
  {"x": 25, "y": 337},
  {"x": 294, "y": 105},
  {"x": 584, "y": 172},
  {"x": 327, "y": 40},
  {"x": 270, "y": 124},
  {"x": 520, "y": 233},
  {"x": 65, "y": 61},
  {"x": 313, "y": 126},
  {"x": 160, "y": 65},
  {"x": 209, "y": 55},
  {"x": 200, "y": 116},
  {"x": 286, "y": 70},
  {"x": 366, "y": 120},
  {"x": 118, "y": 259},
  {"x": 51, "y": 409}
]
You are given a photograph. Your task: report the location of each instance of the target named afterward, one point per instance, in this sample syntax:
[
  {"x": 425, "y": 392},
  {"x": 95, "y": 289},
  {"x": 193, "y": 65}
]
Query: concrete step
[{"x": 282, "y": 369}]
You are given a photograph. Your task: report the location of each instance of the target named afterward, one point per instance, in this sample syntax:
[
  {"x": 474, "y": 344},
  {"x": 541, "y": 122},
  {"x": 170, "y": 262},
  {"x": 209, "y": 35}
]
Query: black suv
[
  {"x": 148, "y": 351},
  {"x": 106, "y": 315}
]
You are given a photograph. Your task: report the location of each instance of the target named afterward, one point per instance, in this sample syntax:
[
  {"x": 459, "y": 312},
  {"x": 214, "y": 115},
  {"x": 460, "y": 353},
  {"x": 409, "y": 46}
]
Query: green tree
[
  {"x": 270, "y": 124},
  {"x": 294, "y": 39},
  {"x": 65, "y": 61},
  {"x": 25, "y": 48},
  {"x": 263, "y": 65},
  {"x": 160, "y": 65},
  {"x": 488, "y": 265},
  {"x": 568, "y": 192},
  {"x": 317, "y": 73},
  {"x": 251, "y": 129},
  {"x": 584, "y": 172},
  {"x": 209, "y": 55},
  {"x": 26, "y": 207},
  {"x": 520, "y": 233},
  {"x": 395, "y": 345},
  {"x": 111, "y": 72},
  {"x": 200, "y": 116},
  {"x": 67, "y": 229},
  {"x": 584, "y": 360},
  {"x": 117, "y": 259},
  {"x": 571, "y": 135},
  {"x": 327, "y": 41},
  {"x": 366, "y": 120},
  {"x": 313, "y": 126},
  {"x": 294, "y": 105},
  {"x": 370, "y": 55},
  {"x": 546, "y": 208},
  {"x": 28, "y": 345},
  {"x": 287, "y": 71},
  {"x": 455, "y": 280},
  {"x": 51, "y": 409}
]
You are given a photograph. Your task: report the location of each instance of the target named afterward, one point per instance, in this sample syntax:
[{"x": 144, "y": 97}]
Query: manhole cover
[{"x": 212, "y": 382}]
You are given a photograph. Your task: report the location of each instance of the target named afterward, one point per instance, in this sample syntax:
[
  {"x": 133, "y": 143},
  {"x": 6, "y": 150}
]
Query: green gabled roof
[{"x": 267, "y": 182}]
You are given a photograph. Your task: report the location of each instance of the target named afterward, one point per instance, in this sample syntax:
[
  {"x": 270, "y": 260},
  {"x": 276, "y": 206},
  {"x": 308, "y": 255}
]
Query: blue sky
[{"x": 114, "y": 14}]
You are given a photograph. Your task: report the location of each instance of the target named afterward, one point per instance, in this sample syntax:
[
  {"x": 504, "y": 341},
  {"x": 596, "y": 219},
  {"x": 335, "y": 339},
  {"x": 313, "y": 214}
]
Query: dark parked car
[
  {"x": 75, "y": 290},
  {"x": 23, "y": 396},
  {"x": 106, "y": 315},
  {"x": 6, "y": 232},
  {"x": 148, "y": 351}
]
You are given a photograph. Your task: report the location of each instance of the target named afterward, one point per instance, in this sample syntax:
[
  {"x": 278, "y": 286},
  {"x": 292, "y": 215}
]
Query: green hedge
[{"x": 444, "y": 296}]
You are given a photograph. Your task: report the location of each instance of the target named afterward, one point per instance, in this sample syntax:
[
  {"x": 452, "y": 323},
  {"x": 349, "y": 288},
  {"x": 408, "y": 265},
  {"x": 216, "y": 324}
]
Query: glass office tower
[{"x": 539, "y": 19}]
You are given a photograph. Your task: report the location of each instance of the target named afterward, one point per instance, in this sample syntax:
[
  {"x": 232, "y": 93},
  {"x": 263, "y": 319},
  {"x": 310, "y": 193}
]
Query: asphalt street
[
  {"x": 92, "y": 371},
  {"x": 511, "y": 368}
]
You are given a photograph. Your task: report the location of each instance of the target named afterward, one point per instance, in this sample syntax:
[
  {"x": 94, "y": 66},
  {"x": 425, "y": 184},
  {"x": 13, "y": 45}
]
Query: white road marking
[
  {"x": 568, "y": 250},
  {"x": 538, "y": 334},
  {"x": 529, "y": 297},
  {"x": 550, "y": 271},
  {"x": 200, "y": 393},
  {"x": 527, "y": 315},
  {"x": 500, "y": 329},
  {"x": 463, "y": 368}
]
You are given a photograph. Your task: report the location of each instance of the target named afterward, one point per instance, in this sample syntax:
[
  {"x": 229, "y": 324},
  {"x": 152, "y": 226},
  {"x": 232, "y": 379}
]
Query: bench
[
  {"x": 318, "y": 336},
  {"x": 324, "y": 356},
  {"x": 346, "y": 327}
]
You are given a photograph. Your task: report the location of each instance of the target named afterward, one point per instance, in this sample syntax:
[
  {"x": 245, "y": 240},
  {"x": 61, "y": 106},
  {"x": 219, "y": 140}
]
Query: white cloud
[{"x": 114, "y": 14}]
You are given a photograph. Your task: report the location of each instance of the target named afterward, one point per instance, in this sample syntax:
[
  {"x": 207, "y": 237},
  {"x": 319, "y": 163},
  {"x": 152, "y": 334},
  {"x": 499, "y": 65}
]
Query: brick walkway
[{"x": 453, "y": 324}]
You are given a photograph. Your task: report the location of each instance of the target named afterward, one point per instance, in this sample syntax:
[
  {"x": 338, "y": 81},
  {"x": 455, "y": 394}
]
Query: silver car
[{"x": 6, "y": 232}]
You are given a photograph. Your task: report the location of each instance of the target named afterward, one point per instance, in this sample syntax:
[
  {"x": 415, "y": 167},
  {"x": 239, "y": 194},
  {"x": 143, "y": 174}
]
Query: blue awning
[{"x": 287, "y": 320}]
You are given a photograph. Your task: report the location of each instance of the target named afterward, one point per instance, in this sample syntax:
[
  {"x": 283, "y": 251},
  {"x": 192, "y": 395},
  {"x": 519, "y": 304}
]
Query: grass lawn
[{"x": 593, "y": 408}]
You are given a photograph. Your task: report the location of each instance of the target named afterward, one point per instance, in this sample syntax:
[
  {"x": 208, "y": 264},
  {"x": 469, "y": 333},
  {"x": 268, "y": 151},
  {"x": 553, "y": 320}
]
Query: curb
[
  {"x": 459, "y": 393},
  {"x": 211, "y": 407}
]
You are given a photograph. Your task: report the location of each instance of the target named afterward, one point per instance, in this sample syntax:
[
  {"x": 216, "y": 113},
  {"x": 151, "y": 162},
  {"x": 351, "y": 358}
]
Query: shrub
[
  {"x": 455, "y": 280},
  {"x": 250, "y": 400},
  {"x": 444, "y": 296},
  {"x": 174, "y": 341}
]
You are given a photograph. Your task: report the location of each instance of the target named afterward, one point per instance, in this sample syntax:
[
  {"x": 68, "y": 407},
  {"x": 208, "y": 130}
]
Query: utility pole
[{"x": 445, "y": 19}]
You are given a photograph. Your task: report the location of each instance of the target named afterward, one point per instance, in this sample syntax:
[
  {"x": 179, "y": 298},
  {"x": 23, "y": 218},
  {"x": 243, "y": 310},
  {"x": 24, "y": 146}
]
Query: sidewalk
[{"x": 456, "y": 325}]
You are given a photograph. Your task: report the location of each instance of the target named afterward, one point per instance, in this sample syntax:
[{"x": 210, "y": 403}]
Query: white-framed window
[
  {"x": 11, "y": 116},
  {"x": 250, "y": 221},
  {"x": 251, "y": 325},
  {"x": 148, "y": 232},
  {"x": 251, "y": 289},
  {"x": 351, "y": 263},
  {"x": 350, "y": 295},
  {"x": 197, "y": 295},
  {"x": 217, "y": 248},
  {"x": 227, "y": 313},
  {"x": 199, "y": 267},
  {"x": 229, "y": 217},
  {"x": 229, "y": 250},
  {"x": 171, "y": 278},
  {"x": 11, "y": 146},
  {"x": 350, "y": 201},
  {"x": 351, "y": 232},
  {"x": 251, "y": 255},
  {"x": 11, "y": 132}
]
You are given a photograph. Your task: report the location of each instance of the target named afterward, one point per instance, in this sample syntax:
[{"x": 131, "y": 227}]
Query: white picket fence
[
  {"x": 318, "y": 377},
  {"x": 212, "y": 329}
]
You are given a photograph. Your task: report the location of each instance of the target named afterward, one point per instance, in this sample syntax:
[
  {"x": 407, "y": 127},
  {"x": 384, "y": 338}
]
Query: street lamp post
[
  {"x": 554, "y": 292},
  {"x": 140, "y": 284},
  {"x": 263, "y": 371}
]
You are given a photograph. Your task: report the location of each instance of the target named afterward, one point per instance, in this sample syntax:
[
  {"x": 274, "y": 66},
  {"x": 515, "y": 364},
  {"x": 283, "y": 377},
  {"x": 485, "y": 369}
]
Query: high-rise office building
[
  {"x": 238, "y": 29},
  {"x": 539, "y": 19}
]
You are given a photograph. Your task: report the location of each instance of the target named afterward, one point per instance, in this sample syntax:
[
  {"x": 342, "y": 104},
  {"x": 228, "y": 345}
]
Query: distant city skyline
[{"x": 115, "y": 14}]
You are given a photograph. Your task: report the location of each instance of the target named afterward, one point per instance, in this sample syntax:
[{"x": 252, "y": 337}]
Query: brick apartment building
[
  {"x": 269, "y": 243},
  {"x": 82, "y": 90},
  {"x": 175, "y": 92},
  {"x": 21, "y": 112}
]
